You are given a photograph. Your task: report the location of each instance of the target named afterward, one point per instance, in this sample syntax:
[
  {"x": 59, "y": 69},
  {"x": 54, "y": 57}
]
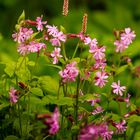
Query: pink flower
[
  {"x": 13, "y": 96},
  {"x": 105, "y": 133},
  {"x": 23, "y": 35},
  {"x": 95, "y": 132},
  {"x": 120, "y": 46},
  {"x": 100, "y": 78},
  {"x": 117, "y": 88},
  {"x": 97, "y": 110},
  {"x": 55, "y": 42},
  {"x": 126, "y": 39},
  {"x": 35, "y": 46},
  {"x": 61, "y": 36},
  {"x": 23, "y": 49},
  {"x": 87, "y": 40},
  {"x": 93, "y": 45},
  {"x": 98, "y": 53},
  {"x": 57, "y": 38},
  {"x": 70, "y": 72},
  {"x": 81, "y": 36},
  {"x": 127, "y": 100},
  {"x": 100, "y": 64},
  {"x": 56, "y": 54},
  {"x": 121, "y": 127},
  {"x": 40, "y": 23},
  {"x": 128, "y": 36},
  {"x": 52, "y": 30},
  {"x": 53, "y": 122}
]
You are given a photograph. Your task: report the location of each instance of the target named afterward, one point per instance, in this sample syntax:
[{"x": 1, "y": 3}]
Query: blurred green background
[{"x": 103, "y": 17}]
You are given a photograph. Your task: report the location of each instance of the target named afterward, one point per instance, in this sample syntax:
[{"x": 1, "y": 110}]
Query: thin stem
[
  {"x": 20, "y": 125},
  {"x": 77, "y": 96},
  {"x": 58, "y": 91},
  {"x": 75, "y": 51},
  {"x": 45, "y": 137},
  {"x": 64, "y": 52}
]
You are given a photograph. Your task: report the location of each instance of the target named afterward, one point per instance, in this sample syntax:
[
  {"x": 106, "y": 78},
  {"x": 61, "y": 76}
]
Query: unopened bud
[
  {"x": 84, "y": 23},
  {"x": 65, "y": 7}
]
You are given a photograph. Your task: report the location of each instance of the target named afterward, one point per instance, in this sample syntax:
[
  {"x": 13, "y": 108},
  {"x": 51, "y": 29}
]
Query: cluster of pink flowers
[
  {"x": 57, "y": 36},
  {"x": 100, "y": 61},
  {"x": 13, "y": 95},
  {"x": 29, "y": 44},
  {"x": 53, "y": 122},
  {"x": 70, "y": 72},
  {"x": 125, "y": 39},
  {"x": 26, "y": 46},
  {"x": 95, "y": 132}
]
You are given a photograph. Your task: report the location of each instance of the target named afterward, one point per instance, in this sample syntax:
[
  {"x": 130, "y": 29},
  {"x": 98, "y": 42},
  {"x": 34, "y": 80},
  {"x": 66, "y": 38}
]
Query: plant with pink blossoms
[
  {"x": 56, "y": 55},
  {"x": 100, "y": 78},
  {"x": 58, "y": 38},
  {"x": 69, "y": 73},
  {"x": 53, "y": 122},
  {"x": 127, "y": 36},
  {"x": 98, "y": 53},
  {"x": 22, "y": 35},
  {"x": 52, "y": 30},
  {"x": 117, "y": 89},
  {"x": 23, "y": 49},
  {"x": 95, "y": 132},
  {"x": 121, "y": 127},
  {"x": 40, "y": 23},
  {"x": 125, "y": 40},
  {"x": 35, "y": 46},
  {"x": 13, "y": 95},
  {"x": 97, "y": 110}
]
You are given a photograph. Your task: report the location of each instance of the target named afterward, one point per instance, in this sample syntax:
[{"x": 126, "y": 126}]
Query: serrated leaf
[
  {"x": 37, "y": 91},
  {"x": 21, "y": 17}
]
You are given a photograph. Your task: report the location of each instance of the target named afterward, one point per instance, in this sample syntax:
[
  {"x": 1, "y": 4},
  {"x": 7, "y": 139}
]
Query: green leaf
[
  {"x": 31, "y": 63},
  {"x": 21, "y": 17},
  {"x": 134, "y": 118},
  {"x": 10, "y": 69},
  {"x": 62, "y": 29},
  {"x": 48, "y": 84},
  {"x": 34, "y": 35},
  {"x": 48, "y": 99},
  {"x": 37, "y": 91},
  {"x": 11, "y": 137},
  {"x": 55, "y": 66},
  {"x": 121, "y": 69},
  {"x": 87, "y": 97}
]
